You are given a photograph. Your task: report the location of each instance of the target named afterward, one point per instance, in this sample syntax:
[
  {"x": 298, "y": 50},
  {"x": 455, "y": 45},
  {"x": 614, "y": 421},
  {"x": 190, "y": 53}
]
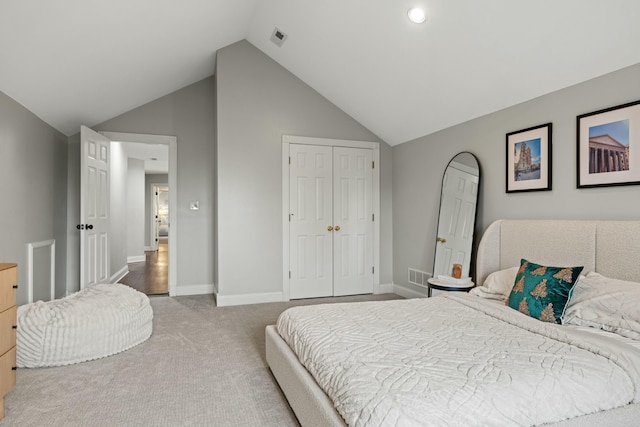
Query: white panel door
[
  {"x": 458, "y": 206},
  {"x": 353, "y": 221},
  {"x": 310, "y": 226},
  {"x": 94, "y": 208}
]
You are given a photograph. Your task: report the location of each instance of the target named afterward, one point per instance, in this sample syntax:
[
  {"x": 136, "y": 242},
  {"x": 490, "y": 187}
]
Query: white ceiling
[
  {"x": 74, "y": 62},
  {"x": 155, "y": 156}
]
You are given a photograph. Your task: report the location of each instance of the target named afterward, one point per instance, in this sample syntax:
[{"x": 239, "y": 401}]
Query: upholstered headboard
[{"x": 611, "y": 248}]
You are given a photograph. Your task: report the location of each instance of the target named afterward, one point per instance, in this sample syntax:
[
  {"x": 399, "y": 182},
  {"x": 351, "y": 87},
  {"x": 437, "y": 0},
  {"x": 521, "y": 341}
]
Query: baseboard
[
  {"x": 243, "y": 299},
  {"x": 386, "y": 288},
  {"x": 136, "y": 258},
  {"x": 206, "y": 289},
  {"x": 119, "y": 274},
  {"x": 407, "y": 292}
]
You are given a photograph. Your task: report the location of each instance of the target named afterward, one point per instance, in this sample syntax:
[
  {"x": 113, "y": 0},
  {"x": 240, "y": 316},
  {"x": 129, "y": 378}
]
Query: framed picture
[
  {"x": 609, "y": 147},
  {"x": 529, "y": 159}
]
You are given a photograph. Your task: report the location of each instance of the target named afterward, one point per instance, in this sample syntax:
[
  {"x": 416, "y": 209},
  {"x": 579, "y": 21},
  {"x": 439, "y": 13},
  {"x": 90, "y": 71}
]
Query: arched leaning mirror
[{"x": 456, "y": 221}]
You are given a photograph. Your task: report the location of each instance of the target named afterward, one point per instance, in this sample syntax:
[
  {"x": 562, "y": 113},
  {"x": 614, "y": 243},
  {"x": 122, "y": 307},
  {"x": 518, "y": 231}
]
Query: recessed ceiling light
[{"x": 417, "y": 15}]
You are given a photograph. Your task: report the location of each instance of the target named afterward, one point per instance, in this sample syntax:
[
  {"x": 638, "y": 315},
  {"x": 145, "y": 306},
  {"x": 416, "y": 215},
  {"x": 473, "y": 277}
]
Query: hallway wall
[
  {"x": 135, "y": 210},
  {"x": 118, "y": 231}
]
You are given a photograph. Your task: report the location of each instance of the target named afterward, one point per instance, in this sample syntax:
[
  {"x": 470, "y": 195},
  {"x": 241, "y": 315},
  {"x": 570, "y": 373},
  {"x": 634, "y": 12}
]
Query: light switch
[{"x": 195, "y": 205}]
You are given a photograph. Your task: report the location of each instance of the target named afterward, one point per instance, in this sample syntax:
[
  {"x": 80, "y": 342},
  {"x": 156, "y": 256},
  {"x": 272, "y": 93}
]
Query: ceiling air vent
[{"x": 278, "y": 37}]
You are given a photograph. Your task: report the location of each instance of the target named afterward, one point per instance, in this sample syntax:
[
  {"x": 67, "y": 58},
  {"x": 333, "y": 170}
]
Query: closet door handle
[
  {"x": 337, "y": 228},
  {"x": 329, "y": 228}
]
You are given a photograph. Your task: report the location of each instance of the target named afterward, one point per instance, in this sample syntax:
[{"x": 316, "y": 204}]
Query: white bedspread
[{"x": 456, "y": 360}]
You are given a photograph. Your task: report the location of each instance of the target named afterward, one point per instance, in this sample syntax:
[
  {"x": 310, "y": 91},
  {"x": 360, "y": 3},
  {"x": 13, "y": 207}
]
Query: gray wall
[
  {"x": 118, "y": 224},
  {"x": 135, "y": 209},
  {"x": 73, "y": 215},
  {"x": 32, "y": 187},
  {"x": 187, "y": 114},
  {"x": 259, "y": 101},
  {"x": 386, "y": 215},
  {"x": 149, "y": 179},
  {"x": 418, "y": 167}
]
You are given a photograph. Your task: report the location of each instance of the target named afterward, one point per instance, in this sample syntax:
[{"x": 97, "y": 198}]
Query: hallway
[{"x": 150, "y": 277}]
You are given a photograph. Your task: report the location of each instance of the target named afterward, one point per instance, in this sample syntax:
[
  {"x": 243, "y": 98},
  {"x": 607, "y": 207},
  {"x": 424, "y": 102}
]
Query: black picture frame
[
  {"x": 528, "y": 159},
  {"x": 607, "y": 142}
]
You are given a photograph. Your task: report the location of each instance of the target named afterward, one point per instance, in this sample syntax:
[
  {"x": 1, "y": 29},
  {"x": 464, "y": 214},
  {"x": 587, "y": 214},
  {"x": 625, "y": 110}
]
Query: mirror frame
[{"x": 472, "y": 249}]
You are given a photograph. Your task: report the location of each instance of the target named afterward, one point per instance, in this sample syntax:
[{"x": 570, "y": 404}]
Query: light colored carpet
[{"x": 203, "y": 366}]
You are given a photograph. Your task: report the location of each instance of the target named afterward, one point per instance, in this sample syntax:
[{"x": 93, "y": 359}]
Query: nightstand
[{"x": 443, "y": 285}]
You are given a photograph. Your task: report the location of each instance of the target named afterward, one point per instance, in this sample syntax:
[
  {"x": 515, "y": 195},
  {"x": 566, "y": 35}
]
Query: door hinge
[
  {"x": 289, "y": 159},
  {"x": 373, "y": 217},
  {"x": 373, "y": 165},
  {"x": 289, "y": 274},
  {"x": 373, "y": 270}
]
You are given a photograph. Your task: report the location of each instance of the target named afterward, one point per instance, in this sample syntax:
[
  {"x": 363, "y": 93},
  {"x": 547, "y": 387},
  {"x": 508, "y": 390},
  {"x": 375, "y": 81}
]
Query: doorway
[
  {"x": 150, "y": 274},
  {"x": 159, "y": 215},
  {"x": 159, "y": 268}
]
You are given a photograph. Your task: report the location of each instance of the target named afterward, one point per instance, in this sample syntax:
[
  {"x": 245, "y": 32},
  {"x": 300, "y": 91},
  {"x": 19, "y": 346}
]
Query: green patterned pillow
[{"x": 542, "y": 292}]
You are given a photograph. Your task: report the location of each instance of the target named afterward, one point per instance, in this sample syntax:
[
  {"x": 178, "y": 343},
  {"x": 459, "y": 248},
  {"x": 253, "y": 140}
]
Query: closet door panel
[
  {"x": 311, "y": 210},
  {"x": 353, "y": 221}
]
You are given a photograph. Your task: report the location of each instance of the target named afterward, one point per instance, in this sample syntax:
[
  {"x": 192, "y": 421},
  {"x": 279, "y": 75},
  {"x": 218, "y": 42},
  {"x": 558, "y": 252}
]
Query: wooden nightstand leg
[{"x": 1, "y": 408}]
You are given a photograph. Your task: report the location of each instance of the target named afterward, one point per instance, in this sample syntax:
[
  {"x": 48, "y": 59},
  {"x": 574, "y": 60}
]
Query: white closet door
[
  {"x": 310, "y": 207},
  {"x": 353, "y": 222}
]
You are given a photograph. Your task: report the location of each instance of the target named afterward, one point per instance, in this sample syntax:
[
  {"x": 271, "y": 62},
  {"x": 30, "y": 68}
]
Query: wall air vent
[
  {"x": 278, "y": 37},
  {"x": 418, "y": 277}
]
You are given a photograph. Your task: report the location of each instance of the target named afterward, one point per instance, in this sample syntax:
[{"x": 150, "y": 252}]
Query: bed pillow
[
  {"x": 541, "y": 291},
  {"x": 609, "y": 304},
  {"x": 497, "y": 285}
]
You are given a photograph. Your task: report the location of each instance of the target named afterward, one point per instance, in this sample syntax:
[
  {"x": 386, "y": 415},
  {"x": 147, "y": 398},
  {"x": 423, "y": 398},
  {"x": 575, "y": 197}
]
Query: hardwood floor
[{"x": 152, "y": 276}]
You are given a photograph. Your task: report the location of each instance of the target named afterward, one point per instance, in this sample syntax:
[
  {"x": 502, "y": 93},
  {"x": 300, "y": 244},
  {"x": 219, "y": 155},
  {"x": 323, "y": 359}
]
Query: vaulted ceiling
[{"x": 74, "y": 62}]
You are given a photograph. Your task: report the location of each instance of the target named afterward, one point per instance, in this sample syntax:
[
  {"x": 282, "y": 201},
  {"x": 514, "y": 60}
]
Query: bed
[{"x": 461, "y": 359}]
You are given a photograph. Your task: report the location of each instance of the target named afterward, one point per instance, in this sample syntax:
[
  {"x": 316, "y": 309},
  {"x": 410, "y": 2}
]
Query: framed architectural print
[
  {"x": 609, "y": 146},
  {"x": 529, "y": 159}
]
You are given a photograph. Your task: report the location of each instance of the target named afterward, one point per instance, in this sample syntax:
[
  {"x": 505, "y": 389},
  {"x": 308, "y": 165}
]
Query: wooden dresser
[{"x": 8, "y": 286}]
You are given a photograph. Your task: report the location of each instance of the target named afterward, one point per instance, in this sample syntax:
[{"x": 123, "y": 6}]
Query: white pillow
[
  {"x": 609, "y": 304},
  {"x": 497, "y": 285}
]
